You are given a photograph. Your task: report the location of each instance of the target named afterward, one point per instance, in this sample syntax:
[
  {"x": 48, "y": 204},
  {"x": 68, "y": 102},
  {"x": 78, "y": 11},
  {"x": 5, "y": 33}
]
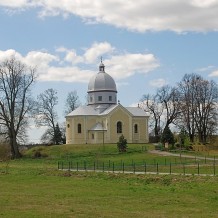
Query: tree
[
  {"x": 47, "y": 116},
  {"x": 170, "y": 99},
  {"x": 188, "y": 107},
  {"x": 122, "y": 144},
  {"x": 152, "y": 105},
  {"x": 16, "y": 80},
  {"x": 199, "y": 98},
  {"x": 72, "y": 102},
  {"x": 167, "y": 136}
]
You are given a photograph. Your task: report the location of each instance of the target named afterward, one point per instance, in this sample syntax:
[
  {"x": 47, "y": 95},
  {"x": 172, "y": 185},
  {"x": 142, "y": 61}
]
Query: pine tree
[{"x": 167, "y": 136}]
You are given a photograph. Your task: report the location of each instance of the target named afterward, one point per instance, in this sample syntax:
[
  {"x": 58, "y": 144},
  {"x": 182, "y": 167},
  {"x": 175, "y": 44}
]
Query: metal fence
[{"x": 185, "y": 168}]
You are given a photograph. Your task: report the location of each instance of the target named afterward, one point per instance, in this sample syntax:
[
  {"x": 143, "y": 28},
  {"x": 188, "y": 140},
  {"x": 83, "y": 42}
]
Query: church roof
[
  {"x": 93, "y": 111},
  {"x": 137, "y": 112},
  {"x": 98, "y": 127},
  {"x": 83, "y": 110}
]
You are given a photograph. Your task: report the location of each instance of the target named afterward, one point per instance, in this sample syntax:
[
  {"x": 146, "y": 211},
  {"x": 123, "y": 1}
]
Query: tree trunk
[{"x": 15, "y": 153}]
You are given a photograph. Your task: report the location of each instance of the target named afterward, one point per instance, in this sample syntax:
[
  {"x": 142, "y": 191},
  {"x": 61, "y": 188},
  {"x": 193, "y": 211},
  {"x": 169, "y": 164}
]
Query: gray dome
[{"x": 102, "y": 82}]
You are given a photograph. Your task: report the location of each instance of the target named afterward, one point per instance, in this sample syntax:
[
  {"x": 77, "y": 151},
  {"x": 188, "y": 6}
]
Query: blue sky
[{"x": 144, "y": 44}]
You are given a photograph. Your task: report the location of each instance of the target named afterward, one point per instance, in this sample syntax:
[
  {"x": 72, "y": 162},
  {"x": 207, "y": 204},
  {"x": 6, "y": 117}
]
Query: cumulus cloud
[
  {"x": 70, "y": 67},
  {"x": 140, "y": 15},
  {"x": 214, "y": 73},
  {"x": 96, "y": 50},
  {"x": 126, "y": 65},
  {"x": 158, "y": 82}
]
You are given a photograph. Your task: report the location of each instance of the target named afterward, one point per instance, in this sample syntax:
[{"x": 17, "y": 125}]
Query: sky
[{"x": 144, "y": 44}]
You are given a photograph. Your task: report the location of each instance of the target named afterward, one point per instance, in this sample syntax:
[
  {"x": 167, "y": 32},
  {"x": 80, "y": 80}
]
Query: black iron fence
[{"x": 183, "y": 168}]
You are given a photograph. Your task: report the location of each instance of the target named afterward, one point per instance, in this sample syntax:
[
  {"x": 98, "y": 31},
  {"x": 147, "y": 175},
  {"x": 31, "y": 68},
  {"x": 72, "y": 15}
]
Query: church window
[
  {"x": 68, "y": 125},
  {"x": 135, "y": 128},
  {"x": 119, "y": 127},
  {"x": 91, "y": 98},
  {"x": 93, "y": 136},
  {"x": 79, "y": 128},
  {"x": 110, "y": 98},
  {"x": 99, "y": 98}
]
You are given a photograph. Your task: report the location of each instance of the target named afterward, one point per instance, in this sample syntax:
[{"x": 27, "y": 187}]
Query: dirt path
[{"x": 165, "y": 153}]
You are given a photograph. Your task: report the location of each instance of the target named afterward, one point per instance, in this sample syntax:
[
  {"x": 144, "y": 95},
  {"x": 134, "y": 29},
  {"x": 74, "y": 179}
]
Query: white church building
[{"x": 103, "y": 120}]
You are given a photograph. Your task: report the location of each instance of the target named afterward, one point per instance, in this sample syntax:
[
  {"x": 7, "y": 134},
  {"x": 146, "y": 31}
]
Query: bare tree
[
  {"x": 187, "y": 89},
  {"x": 16, "y": 80},
  {"x": 199, "y": 102},
  {"x": 46, "y": 115},
  {"x": 152, "y": 105},
  {"x": 72, "y": 102},
  {"x": 206, "y": 108},
  {"x": 170, "y": 99}
]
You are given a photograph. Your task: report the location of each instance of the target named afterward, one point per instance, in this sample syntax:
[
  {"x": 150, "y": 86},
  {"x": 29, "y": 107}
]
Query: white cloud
[
  {"x": 122, "y": 66},
  {"x": 97, "y": 49},
  {"x": 214, "y": 74},
  {"x": 66, "y": 74},
  {"x": 71, "y": 67},
  {"x": 140, "y": 15},
  {"x": 4, "y": 55},
  {"x": 205, "y": 69},
  {"x": 158, "y": 82}
]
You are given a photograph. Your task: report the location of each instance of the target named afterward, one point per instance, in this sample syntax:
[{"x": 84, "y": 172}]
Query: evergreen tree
[
  {"x": 122, "y": 144},
  {"x": 167, "y": 136}
]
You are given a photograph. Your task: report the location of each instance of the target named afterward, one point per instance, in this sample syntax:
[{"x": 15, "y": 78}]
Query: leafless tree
[
  {"x": 187, "y": 89},
  {"x": 16, "y": 80},
  {"x": 152, "y": 105},
  {"x": 72, "y": 102},
  {"x": 206, "y": 108},
  {"x": 170, "y": 99},
  {"x": 199, "y": 98},
  {"x": 46, "y": 114}
]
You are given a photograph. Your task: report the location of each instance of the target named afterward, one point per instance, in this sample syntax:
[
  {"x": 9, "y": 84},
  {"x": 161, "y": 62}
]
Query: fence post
[
  {"x": 123, "y": 167},
  {"x": 170, "y": 168},
  {"x": 157, "y": 169},
  {"x": 198, "y": 169},
  {"x": 77, "y": 166},
  {"x": 113, "y": 167},
  {"x": 214, "y": 168},
  {"x": 134, "y": 168},
  {"x": 62, "y": 165},
  {"x": 85, "y": 165},
  {"x": 145, "y": 168},
  {"x": 103, "y": 167}
]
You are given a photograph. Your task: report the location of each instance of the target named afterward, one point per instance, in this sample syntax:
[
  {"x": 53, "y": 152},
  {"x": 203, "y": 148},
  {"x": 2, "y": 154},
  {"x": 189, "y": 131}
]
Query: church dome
[
  {"x": 102, "y": 88},
  {"x": 102, "y": 81}
]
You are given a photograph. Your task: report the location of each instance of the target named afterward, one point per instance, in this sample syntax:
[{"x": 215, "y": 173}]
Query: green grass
[{"x": 35, "y": 188}]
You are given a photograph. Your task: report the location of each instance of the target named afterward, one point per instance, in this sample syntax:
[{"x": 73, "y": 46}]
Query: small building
[{"x": 103, "y": 120}]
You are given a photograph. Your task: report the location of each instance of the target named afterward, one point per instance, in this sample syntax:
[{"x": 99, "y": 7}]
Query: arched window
[
  {"x": 119, "y": 127},
  {"x": 135, "y": 128},
  {"x": 79, "y": 128},
  {"x": 68, "y": 125}
]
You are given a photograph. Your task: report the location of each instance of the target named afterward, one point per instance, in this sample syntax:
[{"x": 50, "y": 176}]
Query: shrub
[{"x": 122, "y": 144}]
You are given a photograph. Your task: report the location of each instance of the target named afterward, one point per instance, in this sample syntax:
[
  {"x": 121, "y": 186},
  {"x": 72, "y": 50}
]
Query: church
[{"x": 103, "y": 120}]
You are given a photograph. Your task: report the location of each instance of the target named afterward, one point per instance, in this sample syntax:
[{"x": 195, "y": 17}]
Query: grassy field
[{"x": 35, "y": 188}]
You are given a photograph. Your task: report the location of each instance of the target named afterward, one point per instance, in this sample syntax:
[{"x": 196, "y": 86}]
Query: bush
[
  {"x": 38, "y": 154},
  {"x": 122, "y": 144}
]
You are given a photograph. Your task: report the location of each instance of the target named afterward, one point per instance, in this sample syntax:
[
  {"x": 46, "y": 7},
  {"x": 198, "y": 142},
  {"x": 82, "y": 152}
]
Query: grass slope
[{"x": 35, "y": 188}]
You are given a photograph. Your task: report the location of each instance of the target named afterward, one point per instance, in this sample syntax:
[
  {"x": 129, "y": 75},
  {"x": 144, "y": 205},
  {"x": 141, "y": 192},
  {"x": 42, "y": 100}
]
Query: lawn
[{"x": 35, "y": 188}]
